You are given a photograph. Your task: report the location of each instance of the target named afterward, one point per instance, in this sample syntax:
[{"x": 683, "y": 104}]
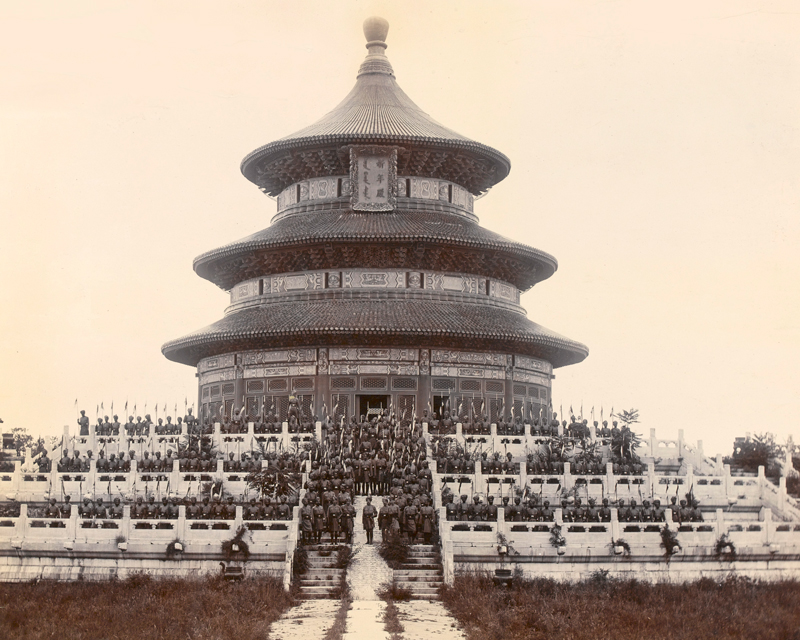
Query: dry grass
[
  {"x": 141, "y": 608},
  {"x": 608, "y": 609}
]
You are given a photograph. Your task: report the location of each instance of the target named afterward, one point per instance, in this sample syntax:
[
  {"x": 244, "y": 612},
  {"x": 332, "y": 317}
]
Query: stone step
[
  {"x": 318, "y": 577},
  {"x": 319, "y": 584},
  {"x": 322, "y": 565},
  {"x": 324, "y": 571},
  {"x": 431, "y": 592},
  {"x": 420, "y": 554},
  {"x": 316, "y": 592},
  {"x": 399, "y": 573},
  {"x": 424, "y": 547},
  {"x": 410, "y": 566},
  {"x": 418, "y": 579}
]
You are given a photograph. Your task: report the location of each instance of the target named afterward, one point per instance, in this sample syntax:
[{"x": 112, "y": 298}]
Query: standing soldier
[
  {"x": 83, "y": 422},
  {"x": 368, "y": 514},
  {"x": 318, "y": 513},
  {"x": 348, "y": 515},
  {"x": 306, "y": 522},
  {"x": 426, "y": 515},
  {"x": 410, "y": 516},
  {"x": 334, "y": 521}
]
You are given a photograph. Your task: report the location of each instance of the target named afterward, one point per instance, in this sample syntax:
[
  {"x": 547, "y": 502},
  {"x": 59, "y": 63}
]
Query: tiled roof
[
  {"x": 402, "y": 238},
  {"x": 376, "y": 111},
  {"x": 410, "y": 323}
]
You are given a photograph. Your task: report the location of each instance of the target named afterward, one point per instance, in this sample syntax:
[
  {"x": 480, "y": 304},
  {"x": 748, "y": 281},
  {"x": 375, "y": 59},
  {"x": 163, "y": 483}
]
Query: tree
[
  {"x": 22, "y": 439},
  {"x": 759, "y": 450},
  {"x": 624, "y": 441}
]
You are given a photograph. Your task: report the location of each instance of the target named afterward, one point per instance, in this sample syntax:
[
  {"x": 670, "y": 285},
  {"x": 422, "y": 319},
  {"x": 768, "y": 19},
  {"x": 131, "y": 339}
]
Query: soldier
[
  {"x": 675, "y": 508},
  {"x": 516, "y": 510},
  {"x": 284, "y": 510},
  {"x": 318, "y": 515},
  {"x": 193, "y": 509},
  {"x": 306, "y": 522},
  {"x": 139, "y": 510},
  {"x": 685, "y": 513},
  {"x": 410, "y": 515},
  {"x": 163, "y": 508},
  {"x": 52, "y": 510},
  {"x": 207, "y": 509},
  {"x": 152, "y": 508},
  {"x": 100, "y": 510},
  {"x": 646, "y": 512},
  {"x": 368, "y": 514},
  {"x": 269, "y": 509},
  {"x": 66, "y": 508},
  {"x": 83, "y": 422},
  {"x": 65, "y": 463},
  {"x": 229, "y": 512},
  {"x": 86, "y": 510},
  {"x": 547, "y": 514},
  {"x": 604, "y": 513},
  {"x": 158, "y": 463},
  {"x": 348, "y": 515},
  {"x": 115, "y": 426},
  {"x": 490, "y": 512},
  {"x": 696, "y": 514},
  {"x": 334, "y": 521},
  {"x": 116, "y": 510},
  {"x": 592, "y": 513},
  {"x": 622, "y": 511},
  {"x": 658, "y": 511},
  {"x": 217, "y": 508}
]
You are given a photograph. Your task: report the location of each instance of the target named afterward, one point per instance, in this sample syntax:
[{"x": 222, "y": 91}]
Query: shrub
[
  {"x": 621, "y": 542},
  {"x": 236, "y": 548},
  {"x": 175, "y": 549},
  {"x": 669, "y": 542},
  {"x": 394, "y": 551},
  {"x": 300, "y": 564},
  {"x": 344, "y": 557},
  {"x": 391, "y": 591},
  {"x": 724, "y": 549},
  {"x": 557, "y": 538}
]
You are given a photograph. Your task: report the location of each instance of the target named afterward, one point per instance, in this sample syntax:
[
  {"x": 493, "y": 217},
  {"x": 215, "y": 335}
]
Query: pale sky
[{"x": 654, "y": 149}]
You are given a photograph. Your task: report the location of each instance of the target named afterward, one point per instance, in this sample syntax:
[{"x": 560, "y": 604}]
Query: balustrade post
[
  {"x": 480, "y": 481},
  {"x": 318, "y": 430},
  {"x": 720, "y": 522},
  {"x": 781, "y": 493},
  {"x": 569, "y": 481},
  {"x": 766, "y": 528},
  {"x": 459, "y": 430},
  {"x": 680, "y": 443},
  {"x": 615, "y": 524},
  {"x": 493, "y": 429},
  {"x": 425, "y": 432},
  {"x": 653, "y": 442},
  {"x": 285, "y": 435},
  {"x": 125, "y": 523},
  {"x": 217, "y": 436},
  {"x": 72, "y": 527},
  {"x": 559, "y": 516}
]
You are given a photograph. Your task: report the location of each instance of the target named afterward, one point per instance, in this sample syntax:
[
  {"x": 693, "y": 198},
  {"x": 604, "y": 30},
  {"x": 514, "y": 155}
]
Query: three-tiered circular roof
[{"x": 414, "y": 235}]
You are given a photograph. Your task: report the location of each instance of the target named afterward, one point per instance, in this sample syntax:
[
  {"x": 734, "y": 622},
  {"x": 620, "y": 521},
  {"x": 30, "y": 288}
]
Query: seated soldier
[{"x": 116, "y": 510}]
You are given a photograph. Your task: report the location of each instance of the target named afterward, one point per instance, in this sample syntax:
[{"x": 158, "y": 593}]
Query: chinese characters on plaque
[{"x": 373, "y": 175}]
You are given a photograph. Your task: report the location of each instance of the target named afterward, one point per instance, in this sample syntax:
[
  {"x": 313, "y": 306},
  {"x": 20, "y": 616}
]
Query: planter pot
[
  {"x": 618, "y": 550},
  {"x": 561, "y": 550},
  {"x": 122, "y": 546}
]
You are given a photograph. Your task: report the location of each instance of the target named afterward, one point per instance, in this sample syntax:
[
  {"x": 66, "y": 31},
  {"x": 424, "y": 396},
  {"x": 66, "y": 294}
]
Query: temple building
[{"x": 375, "y": 285}]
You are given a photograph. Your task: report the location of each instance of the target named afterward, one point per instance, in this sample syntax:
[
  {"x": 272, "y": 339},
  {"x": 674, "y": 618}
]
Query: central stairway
[
  {"x": 323, "y": 578},
  {"x": 422, "y": 573}
]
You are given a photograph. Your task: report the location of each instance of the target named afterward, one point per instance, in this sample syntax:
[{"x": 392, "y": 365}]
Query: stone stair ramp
[
  {"x": 323, "y": 577},
  {"x": 422, "y": 573}
]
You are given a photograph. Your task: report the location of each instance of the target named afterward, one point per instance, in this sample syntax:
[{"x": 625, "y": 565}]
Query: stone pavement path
[
  {"x": 310, "y": 619},
  {"x": 422, "y": 619},
  {"x": 367, "y": 571},
  {"x": 365, "y": 621}
]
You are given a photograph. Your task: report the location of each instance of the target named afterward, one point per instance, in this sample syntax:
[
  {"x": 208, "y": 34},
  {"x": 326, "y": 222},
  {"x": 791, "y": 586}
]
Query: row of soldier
[
  {"x": 535, "y": 509},
  {"x": 135, "y": 427}
]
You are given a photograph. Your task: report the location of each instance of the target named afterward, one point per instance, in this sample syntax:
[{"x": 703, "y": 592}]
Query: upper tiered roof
[{"x": 376, "y": 111}]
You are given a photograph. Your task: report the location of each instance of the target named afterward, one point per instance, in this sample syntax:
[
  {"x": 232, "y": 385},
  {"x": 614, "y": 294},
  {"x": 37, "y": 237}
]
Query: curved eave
[
  {"x": 399, "y": 228},
  {"x": 410, "y": 323},
  {"x": 279, "y": 150}
]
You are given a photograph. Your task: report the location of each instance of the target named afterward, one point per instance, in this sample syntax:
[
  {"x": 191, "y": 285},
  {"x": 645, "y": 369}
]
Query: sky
[{"x": 655, "y": 151}]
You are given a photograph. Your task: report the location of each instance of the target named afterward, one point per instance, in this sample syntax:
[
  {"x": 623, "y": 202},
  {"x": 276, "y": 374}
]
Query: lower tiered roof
[{"x": 341, "y": 320}]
